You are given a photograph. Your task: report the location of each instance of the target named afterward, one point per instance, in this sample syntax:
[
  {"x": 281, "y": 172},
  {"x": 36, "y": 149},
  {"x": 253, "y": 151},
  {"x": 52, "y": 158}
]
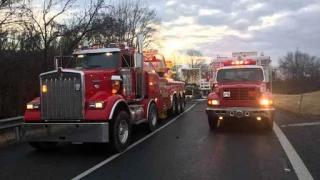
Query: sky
[{"x": 220, "y": 27}]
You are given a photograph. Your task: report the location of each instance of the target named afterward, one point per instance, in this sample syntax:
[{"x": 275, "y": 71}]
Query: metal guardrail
[{"x": 15, "y": 122}]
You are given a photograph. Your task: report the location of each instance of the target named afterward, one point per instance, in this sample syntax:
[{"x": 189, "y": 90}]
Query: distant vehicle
[
  {"x": 192, "y": 79},
  {"x": 242, "y": 88}
]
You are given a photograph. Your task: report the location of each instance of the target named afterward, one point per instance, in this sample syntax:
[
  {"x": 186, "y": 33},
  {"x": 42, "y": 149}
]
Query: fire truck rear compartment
[{"x": 66, "y": 132}]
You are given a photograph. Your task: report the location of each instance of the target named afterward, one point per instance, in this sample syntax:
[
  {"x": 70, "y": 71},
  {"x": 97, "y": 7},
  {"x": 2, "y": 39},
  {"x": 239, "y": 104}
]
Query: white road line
[
  {"x": 302, "y": 124},
  {"x": 87, "y": 172},
  {"x": 298, "y": 166}
]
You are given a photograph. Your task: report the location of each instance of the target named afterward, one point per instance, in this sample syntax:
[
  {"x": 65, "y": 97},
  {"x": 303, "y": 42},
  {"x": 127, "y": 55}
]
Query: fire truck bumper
[
  {"x": 66, "y": 132},
  {"x": 239, "y": 112}
]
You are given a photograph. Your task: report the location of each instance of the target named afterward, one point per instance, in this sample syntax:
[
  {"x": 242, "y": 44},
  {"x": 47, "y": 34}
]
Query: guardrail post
[
  {"x": 300, "y": 102},
  {"x": 17, "y": 131}
]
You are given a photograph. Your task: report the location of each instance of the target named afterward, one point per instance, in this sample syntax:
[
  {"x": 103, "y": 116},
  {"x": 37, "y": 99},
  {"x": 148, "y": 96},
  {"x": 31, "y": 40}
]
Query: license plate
[{"x": 226, "y": 94}]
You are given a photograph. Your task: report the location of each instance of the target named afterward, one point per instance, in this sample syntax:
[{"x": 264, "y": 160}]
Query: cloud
[{"x": 221, "y": 27}]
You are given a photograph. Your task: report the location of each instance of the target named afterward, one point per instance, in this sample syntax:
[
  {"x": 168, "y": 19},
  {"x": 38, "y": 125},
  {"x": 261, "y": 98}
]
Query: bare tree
[
  {"x": 196, "y": 58},
  {"x": 299, "y": 65},
  {"x": 11, "y": 12},
  {"x": 135, "y": 17},
  {"x": 83, "y": 24},
  {"x": 46, "y": 23}
]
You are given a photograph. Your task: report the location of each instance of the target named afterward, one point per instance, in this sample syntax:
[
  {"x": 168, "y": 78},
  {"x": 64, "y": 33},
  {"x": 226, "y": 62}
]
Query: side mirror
[{"x": 63, "y": 61}]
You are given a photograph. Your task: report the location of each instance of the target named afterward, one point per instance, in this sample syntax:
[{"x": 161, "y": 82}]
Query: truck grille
[
  {"x": 64, "y": 97},
  {"x": 240, "y": 93}
]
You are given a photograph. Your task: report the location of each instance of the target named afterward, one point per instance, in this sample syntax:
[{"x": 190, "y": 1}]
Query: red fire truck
[
  {"x": 242, "y": 88},
  {"x": 99, "y": 99}
]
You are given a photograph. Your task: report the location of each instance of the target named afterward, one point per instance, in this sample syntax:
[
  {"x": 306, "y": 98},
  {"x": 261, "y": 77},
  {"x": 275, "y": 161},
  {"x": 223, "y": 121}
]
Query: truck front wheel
[
  {"x": 269, "y": 123},
  {"x": 42, "y": 146},
  {"x": 213, "y": 123},
  {"x": 120, "y": 132}
]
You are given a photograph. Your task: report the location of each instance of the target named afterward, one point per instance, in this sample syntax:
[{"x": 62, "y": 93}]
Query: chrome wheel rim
[{"x": 123, "y": 131}]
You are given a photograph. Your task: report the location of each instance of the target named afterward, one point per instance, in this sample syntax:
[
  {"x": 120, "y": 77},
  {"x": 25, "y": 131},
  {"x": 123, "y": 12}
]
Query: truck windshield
[
  {"x": 108, "y": 60},
  {"x": 240, "y": 75}
]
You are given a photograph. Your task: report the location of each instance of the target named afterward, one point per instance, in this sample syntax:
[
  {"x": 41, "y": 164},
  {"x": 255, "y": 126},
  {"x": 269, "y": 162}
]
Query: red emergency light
[{"x": 244, "y": 62}]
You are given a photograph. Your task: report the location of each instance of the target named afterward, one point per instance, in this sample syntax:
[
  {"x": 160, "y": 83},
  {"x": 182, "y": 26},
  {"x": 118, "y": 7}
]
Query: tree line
[
  {"x": 32, "y": 34},
  {"x": 298, "y": 72}
]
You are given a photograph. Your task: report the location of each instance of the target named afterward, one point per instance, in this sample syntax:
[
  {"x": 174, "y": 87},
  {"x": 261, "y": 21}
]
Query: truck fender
[
  {"x": 120, "y": 103},
  {"x": 33, "y": 115},
  {"x": 213, "y": 96}
]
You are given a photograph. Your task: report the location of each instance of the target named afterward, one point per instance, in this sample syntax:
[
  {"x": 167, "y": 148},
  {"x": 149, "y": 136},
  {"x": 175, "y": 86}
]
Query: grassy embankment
[{"x": 310, "y": 103}]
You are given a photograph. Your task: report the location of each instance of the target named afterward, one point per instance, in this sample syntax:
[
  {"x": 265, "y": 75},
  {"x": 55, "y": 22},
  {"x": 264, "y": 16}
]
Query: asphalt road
[{"x": 185, "y": 149}]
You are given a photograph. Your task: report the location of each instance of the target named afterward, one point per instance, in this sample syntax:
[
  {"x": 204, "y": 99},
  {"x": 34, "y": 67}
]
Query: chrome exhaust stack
[{"x": 138, "y": 57}]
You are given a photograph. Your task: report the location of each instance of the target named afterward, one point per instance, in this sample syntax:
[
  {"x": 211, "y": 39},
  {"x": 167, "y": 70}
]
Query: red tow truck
[
  {"x": 242, "y": 88},
  {"x": 99, "y": 98}
]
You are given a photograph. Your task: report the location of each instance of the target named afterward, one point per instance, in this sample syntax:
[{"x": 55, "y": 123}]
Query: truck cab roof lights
[{"x": 243, "y": 62}]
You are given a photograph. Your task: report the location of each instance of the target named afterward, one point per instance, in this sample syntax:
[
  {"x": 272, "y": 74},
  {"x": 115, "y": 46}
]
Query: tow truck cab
[
  {"x": 100, "y": 97},
  {"x": 242, "y": 88}
]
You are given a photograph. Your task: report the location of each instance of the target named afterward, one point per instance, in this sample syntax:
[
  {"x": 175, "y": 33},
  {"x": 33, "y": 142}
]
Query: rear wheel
[
  {"x": 178, "y": 105},
  {"x": 213, "y": 122},
  {"x": 152, "y": 117},
  {"x": 182, "y": 103},
  {"x": 42, "y": 146},
  {"x": 173, "y": 110},
  {"x": 120, "y": 132}
]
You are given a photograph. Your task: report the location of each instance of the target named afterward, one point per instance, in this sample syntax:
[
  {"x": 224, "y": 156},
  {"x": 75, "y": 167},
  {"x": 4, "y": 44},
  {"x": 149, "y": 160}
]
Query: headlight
[
  {"x": 96, "y": 105},
  {"x": 33, "y": 106},
  {"x": 266, "y": 102},
  {"x": 213, "y": 102}
]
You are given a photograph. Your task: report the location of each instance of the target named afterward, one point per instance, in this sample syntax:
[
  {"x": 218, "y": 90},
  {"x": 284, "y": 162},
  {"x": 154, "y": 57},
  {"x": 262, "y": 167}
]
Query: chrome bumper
[
  {"x": 66, "y": 132},
  {"x": 240, "y": 112}
]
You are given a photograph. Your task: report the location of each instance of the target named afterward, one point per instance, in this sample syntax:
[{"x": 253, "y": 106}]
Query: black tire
[
  {"x": 173, "y": 110},
  {"x": 213, "y": 123},
  {"x": 182, "y": 103},
  {"x": 152, "y": 117},
  {"x": 178, "y": 106},
  {"x": 120, "y": 142},
  {"x": 268, "y": 123},
  {"x": 43, "y": 146}
]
